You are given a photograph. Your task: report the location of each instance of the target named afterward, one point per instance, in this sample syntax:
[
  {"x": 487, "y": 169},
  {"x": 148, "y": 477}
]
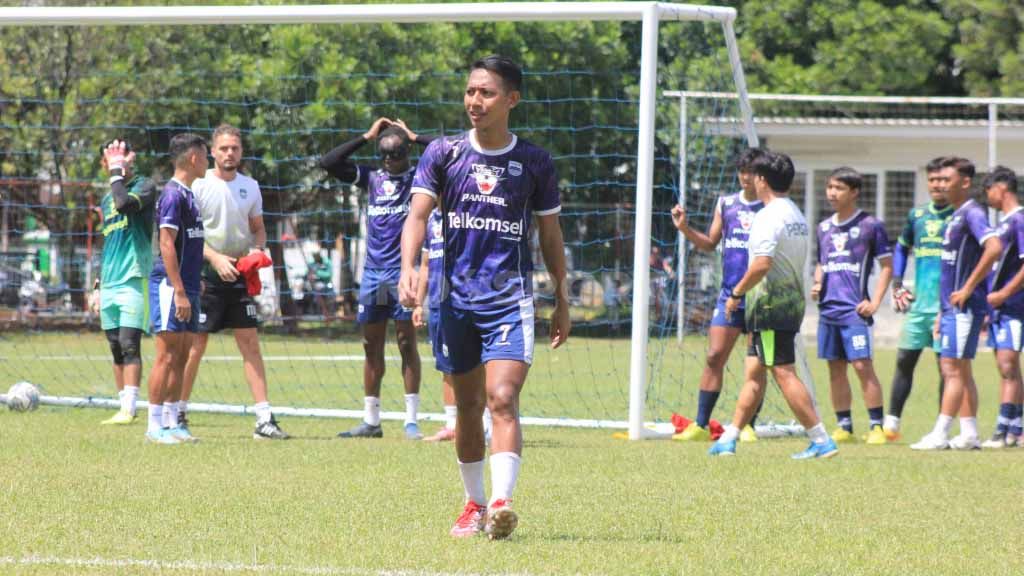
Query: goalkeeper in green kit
[
  {"x": 921, "y": 237},
  {"x": 127, "y": 259}
]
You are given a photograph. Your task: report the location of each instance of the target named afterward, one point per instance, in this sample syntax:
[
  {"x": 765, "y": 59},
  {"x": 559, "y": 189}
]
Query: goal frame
[{"x": 650, "y": 14}]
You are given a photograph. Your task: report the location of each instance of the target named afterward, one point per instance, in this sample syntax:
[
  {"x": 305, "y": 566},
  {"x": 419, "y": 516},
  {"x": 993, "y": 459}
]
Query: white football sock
[
  {"x": 817, "y": 433},
  {"x": 891, "y": 422},
  {"x": 450, "y": 414},
  {"x": 488, "y": 421},
  {"x": 371, "y": 410},
  {"x": 729, "y": 434},
  {"x": 130, "y": 398},
  {"x": 942, "y": 425},
  {"x": 156, "y": 418},
  {"x": 504, "y": 473},
  {"x": 182, "y": 406},
  {"x": 170, "y": 414},
  {"x": 263, "y": 413},
  {"x": 969, "y": 427},
  {"x": 473, "y": 481},
  {"x": 412, "y": 408}
]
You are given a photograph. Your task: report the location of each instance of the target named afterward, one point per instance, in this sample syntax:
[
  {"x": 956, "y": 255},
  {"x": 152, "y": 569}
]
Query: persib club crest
[
  {"x": 487, "y": 177},
  {"x": 932, "y": 227},
  {"x": 242, "y": 193},
  {"x": 438, "y": 231},
  {"x": 855, "y": 233},
  {"x": 746, "y": 218},
  {"x": 388, "y": 187},
  {"x": 839, "y": 241}
]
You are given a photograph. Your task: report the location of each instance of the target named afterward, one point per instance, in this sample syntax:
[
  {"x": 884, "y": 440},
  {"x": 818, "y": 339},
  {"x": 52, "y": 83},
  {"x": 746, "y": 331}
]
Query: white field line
[
  {"x": 325, "y": 358},
  {"x": 195, "y": 566}
]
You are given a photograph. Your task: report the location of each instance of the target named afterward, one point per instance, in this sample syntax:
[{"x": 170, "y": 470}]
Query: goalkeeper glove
[{"x": 902, "y": 299}]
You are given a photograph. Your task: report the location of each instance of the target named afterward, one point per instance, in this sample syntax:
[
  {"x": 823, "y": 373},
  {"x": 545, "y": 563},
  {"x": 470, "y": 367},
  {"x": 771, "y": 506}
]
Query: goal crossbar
[
  {"x": 358, "y": 14},
  {"x": 650, "y": 14}
]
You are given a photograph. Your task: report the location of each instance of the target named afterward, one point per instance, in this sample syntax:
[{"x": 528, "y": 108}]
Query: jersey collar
[
  {"x": 476, "y": 145},
  {"x": 742, "y": 200},
  {"x": 180, "y": 183},
  {"x": 935, "y": 210},
  {"x": 1011, "y": 213},
  {"x": 836, "y": 222}
]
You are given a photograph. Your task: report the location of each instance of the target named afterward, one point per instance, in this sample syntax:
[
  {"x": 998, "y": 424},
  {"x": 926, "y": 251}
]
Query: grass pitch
[{"x": 77, "y": 498}]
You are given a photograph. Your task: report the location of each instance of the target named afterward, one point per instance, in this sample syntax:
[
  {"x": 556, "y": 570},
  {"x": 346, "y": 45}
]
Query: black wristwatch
[{"x": 735, "y": 296}]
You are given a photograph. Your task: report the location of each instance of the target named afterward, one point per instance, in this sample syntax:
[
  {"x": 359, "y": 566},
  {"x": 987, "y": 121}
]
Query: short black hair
[
  {"x": 393, "y": 131},
  {"x": 103, "y": 148},
  {"x": 510, "y": 72},
  {"x": 964, "y": 166},
  {"x": 745, "y": 161},
  {"x": 777, "y": 170},
  {"x": 1001, "y": 174},
  {"x": 848, "y": 176},
  {"x": 935, "y": 164},
  {"x": 182, "y": 144}
]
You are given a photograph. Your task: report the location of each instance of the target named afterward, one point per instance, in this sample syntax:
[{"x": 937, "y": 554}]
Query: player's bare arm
[
  {"x": 552, "y": 248},
  {"x": 705, "y": 242},
  {"x": 413, "y": 233},
  {"x": 867, "y": 308},
  {"x": 816, "y": 287},
  {"x": 259, "y": 233},
  {"x": 755, "y": 273},
  {"x": 993, "y": 249}
]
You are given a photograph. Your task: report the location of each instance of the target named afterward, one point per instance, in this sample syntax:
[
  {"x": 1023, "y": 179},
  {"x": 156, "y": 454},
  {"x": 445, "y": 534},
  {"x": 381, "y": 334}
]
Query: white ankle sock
[
  {"x": 504, "y": 474},
  {"x": 817, "y": 434},
  {"x": 263, "y": 413},
  {"x": 450, "y": 413},
  {"x": 473, "y": 481},
  {"x": 891, "y": 422},
  {"x": 171, "y": 414},
  {"x": 412, "y": 408},
  {"x": 969, "y": 427},
  {"x": 130, "y": 398},
  {"x": 731, "y": 433},
  {"x": 156, "y": 417},
  {"x": 942, "y": 425},
  {"x": 371, "y": 410}
]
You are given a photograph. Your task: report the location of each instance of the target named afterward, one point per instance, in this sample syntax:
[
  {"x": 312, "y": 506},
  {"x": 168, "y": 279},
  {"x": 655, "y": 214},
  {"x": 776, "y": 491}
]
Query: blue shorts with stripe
[
  {"x": 378, "y": 297},
  {"x": 959, "y": 332},
  {"x": 470, "y": 337},
  {"x": 1004, "y": 332},
  {"x": 161, "y": 311},
  {"x": 836, "y": 342},
  {"x": 441, "y": 361}
]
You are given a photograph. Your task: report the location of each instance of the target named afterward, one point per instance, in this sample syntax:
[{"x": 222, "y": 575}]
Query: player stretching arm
[{"x": 731, "y": 222}]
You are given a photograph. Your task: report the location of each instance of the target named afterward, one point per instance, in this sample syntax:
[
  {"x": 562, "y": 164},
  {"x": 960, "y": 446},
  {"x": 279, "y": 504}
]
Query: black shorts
[
  {"x": 226, "y": 305},
  {"x": 773, "y": 347}
]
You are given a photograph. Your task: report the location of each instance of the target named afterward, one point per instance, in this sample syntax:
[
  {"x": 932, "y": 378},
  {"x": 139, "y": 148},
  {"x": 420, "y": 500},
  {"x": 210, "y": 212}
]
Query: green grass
[
  {"x": 70, "y": 489},
  {"x": 589, "y": 504}
]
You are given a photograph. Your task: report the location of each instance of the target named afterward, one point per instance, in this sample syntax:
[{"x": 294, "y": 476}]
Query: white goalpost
[{"x": 650, "y": 14}]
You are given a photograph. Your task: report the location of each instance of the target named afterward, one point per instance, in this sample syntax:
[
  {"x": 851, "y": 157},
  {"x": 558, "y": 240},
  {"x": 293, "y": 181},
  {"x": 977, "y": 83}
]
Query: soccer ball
[{"x": 22, "y": 397}]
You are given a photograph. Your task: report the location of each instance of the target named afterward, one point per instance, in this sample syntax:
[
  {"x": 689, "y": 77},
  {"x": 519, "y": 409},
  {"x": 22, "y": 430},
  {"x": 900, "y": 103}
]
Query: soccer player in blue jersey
[
  {"x": 969, "y": 249},
  {"x": 1006, "y": 306},
  {"x": 430, "y": 294},
  {"x": 388, "y": 203},
  {"x": 921, "y": 237},
  {"x": 127, "y": 260},
  {"x": 174, "y": 283},
  {"x": 849, "y": 242},
  {"x": 774, "y": 288},
  {"x": 490, "y": 185},
  {"x": 730, "y": 226}
]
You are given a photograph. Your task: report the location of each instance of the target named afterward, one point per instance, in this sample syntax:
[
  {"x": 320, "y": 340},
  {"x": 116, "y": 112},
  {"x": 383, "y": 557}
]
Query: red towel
[{"x": 249, "y": 266}]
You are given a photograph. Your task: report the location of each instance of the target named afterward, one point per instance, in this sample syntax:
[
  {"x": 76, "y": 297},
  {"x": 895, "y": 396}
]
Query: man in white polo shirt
[{"x": 232, "y": 210}]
